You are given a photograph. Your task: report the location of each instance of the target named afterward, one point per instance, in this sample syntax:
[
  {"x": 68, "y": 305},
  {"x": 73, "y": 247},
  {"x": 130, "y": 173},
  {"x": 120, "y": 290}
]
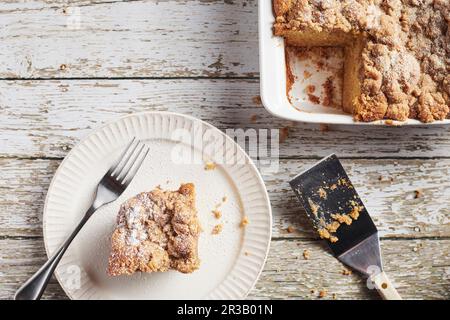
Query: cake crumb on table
[
  {"x": 346, "y": 272},
  {"x": 257, "y": 100},
  {"x": 284, "y": 134},
  {"x": 323, "y": 293},
  {"x": 418, "y": 194},
  {"x": 306, "y": 254},
  {"x": 254, "y": 118},
  {"x": 290, "y": 229},
  {"x": 324, "y": 127}
]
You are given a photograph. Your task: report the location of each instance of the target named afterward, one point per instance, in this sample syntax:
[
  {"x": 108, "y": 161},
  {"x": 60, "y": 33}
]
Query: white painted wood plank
[
  {"x": 24, "y": 183},
  {"x": 45, "y": 118},
  {"x": 391, "y": 201},
  {"x": 419, "y": 269},
  {"x": 171, "y": 38}
]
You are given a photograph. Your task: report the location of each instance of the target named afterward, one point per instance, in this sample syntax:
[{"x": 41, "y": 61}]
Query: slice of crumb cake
[{"x": 156, "y": 231}]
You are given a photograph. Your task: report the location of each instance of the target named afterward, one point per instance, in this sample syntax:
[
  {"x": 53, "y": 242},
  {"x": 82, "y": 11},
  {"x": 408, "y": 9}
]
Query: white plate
[
  {"x": 273, "y": 81},
  {"x": 231, "y": 261}
]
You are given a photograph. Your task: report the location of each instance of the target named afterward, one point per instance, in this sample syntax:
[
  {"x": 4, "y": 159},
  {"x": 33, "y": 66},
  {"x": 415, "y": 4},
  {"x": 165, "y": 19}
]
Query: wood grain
[
  {"x": 48, "y": 39},
  {"x": 419, "y": 268},
  {"x": 60, "y": 79},
  {"x": 45, "y": 118},
  {"x": 392, "y": 204}
]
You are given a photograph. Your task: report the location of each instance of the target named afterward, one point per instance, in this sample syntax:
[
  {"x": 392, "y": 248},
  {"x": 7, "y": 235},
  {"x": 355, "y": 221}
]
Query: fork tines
[{"x": 129, "y": 162}]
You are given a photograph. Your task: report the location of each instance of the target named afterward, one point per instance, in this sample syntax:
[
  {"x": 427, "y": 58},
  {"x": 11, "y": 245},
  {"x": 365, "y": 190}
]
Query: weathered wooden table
[{"x": 65, "y": 68}]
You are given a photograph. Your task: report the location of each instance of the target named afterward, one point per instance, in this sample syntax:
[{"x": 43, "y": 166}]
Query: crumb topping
[
  {"x": 404, "y": 58},
  {"x": 156, "y": 231}
]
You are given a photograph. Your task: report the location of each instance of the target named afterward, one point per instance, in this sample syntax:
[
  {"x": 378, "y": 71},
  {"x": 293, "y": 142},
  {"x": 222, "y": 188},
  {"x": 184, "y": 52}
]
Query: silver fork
[{"x": 112, "y": 185}]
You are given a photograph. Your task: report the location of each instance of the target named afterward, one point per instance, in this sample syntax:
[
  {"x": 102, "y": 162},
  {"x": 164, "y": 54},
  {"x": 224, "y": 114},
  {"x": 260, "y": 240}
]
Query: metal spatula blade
[{"x": 337, "y": 212}]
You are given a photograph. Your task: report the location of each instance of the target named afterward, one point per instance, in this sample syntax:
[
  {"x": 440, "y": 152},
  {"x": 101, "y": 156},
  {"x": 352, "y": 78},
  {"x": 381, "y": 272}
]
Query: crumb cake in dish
[
  {"x": 397, "y": 52},
  {"x": 156, "y": 231}
]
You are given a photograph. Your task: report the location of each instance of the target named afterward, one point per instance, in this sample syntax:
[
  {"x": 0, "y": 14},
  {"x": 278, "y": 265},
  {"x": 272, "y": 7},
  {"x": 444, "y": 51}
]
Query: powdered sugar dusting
[
  {"x": 373, "y": 16},
  {"x": 134, "y": 216},
  {"x": 156, "y": 231}
]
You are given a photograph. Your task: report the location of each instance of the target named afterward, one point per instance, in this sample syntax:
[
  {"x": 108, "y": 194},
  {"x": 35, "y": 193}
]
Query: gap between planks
[
  {"x": 420, "y": 273},
  {"x": 276, "y": 238},
  {"x": 392, "y": 201},
  {"x": 37, "y": 125},
  {"x": 132, "y": 78}
]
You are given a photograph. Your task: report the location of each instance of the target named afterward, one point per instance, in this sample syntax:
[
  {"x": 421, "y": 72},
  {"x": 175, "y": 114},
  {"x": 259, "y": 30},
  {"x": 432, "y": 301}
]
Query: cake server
[{"x": 340, "y": 217}]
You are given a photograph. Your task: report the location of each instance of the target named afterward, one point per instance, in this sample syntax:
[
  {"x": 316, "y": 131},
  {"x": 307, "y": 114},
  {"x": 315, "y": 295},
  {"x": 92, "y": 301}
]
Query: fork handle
[
  {"x": 35, "y": 286},
  {"x": 385, "y": 287}
]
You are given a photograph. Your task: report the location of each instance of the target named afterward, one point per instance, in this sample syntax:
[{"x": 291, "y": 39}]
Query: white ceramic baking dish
[{"x": 273, "y": 82}]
